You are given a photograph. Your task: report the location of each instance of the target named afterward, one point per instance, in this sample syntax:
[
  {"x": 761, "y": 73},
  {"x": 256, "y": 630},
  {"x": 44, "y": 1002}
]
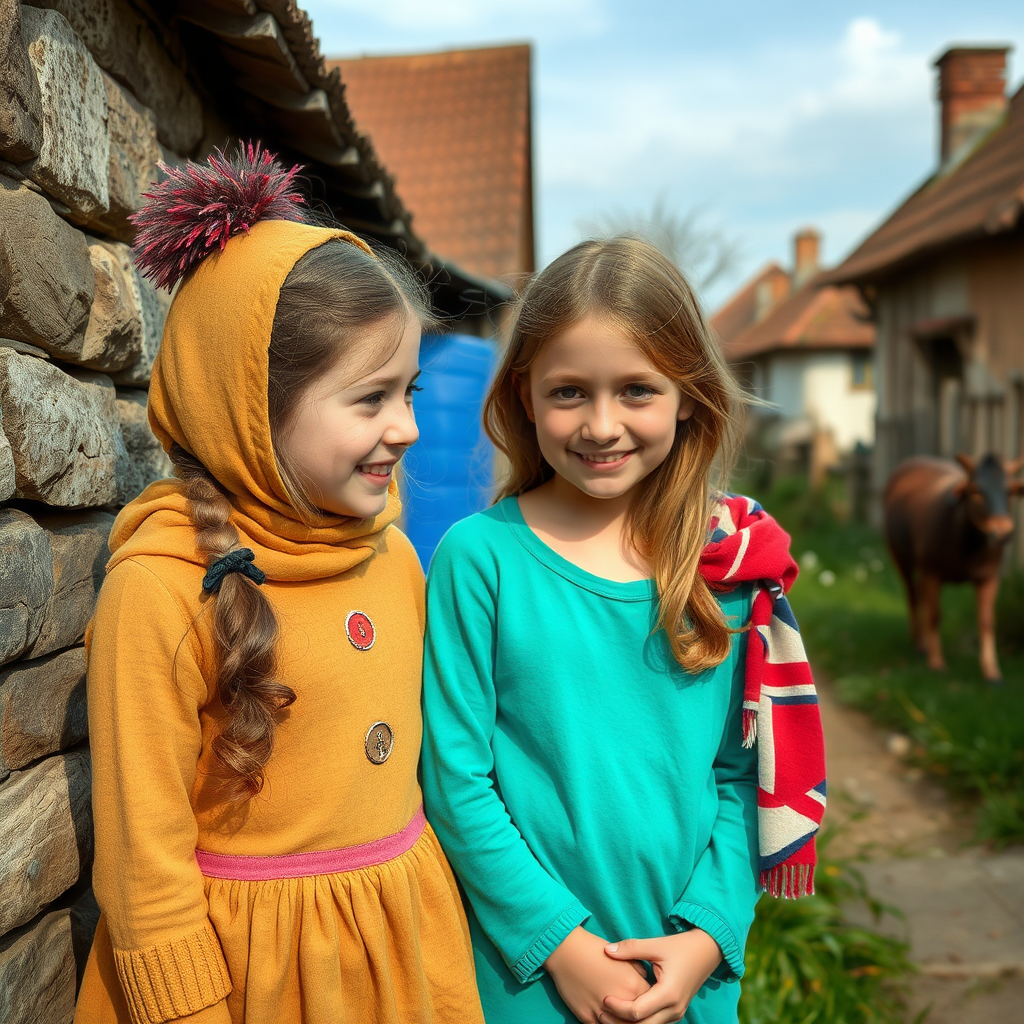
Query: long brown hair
[
  {"x": 334, "y": 295},
  {"x": 633, "y": 285}
]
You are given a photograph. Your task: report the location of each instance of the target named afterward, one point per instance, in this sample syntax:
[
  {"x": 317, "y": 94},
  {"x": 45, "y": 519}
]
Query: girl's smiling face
[
  {"x": 606, "y": 417},
  {"x": 351, "y": 427}
]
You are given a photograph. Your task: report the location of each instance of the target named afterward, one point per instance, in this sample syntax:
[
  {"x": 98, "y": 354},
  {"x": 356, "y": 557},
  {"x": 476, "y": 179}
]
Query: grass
[
  {"x": 806, "y": 964},
  {"x": 852, "y": 612}
]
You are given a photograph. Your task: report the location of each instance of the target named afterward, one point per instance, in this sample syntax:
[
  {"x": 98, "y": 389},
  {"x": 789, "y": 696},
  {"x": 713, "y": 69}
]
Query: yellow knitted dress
[{"x": 326, "y": 899}]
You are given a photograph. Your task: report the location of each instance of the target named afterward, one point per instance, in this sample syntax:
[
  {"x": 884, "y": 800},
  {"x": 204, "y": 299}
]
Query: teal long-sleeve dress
[{"x": 574, "y": 772}]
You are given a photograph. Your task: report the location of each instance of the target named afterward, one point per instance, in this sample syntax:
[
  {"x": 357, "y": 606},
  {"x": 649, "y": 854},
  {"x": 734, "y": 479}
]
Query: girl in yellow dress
[{"x": 255, "y": 657}]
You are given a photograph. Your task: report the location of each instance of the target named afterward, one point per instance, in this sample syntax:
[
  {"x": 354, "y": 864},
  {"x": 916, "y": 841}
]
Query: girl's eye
[
  {"x": 376, "y": 399},
  {"x": 567, "y": 394},
  {"x": 411, "y": 390},
  {"x": 638, "y": 391}
]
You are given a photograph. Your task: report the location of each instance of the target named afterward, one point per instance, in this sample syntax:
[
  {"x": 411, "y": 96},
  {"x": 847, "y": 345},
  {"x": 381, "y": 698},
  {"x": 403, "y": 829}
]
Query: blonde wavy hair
[{"x": 640, "y": 291}]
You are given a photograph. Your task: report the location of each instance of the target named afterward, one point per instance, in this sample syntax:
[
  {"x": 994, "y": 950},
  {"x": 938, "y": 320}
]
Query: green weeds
[{"x": 806, "y": 964}]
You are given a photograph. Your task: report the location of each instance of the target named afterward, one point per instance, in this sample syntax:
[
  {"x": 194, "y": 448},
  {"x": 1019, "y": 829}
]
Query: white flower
[{"x": 899, "y": 744}]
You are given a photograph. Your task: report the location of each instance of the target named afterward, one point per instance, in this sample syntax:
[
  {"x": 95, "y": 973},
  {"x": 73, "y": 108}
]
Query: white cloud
[
  {"x": 758, "y": 115},
  {"x": 878, "y": 71}
]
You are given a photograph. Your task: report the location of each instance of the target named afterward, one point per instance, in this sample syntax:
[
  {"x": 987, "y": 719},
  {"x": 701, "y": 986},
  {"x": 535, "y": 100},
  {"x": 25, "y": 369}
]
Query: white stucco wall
[{"x": 817, "y": 387}]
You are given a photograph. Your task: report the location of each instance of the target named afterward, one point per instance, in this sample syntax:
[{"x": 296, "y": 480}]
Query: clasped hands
[{"x": 604, "y": 983}]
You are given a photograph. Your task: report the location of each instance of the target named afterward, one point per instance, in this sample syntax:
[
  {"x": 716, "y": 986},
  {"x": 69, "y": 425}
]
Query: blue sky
[{"x": 765, "y": 115}]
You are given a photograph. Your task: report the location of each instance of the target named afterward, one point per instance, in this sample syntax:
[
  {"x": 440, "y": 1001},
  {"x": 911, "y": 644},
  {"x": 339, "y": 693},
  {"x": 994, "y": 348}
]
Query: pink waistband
[{"x": 322, "y": 862}]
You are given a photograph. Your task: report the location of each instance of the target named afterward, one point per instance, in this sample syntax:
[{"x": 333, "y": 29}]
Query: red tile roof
[
  {"x": 454, "y": 128},
  {"x": 742, "y": 309},
  {"x": 816, "y": 316},
  {"x": 982, "y": 196}
]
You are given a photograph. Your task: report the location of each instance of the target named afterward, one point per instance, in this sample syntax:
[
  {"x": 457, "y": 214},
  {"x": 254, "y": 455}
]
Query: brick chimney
[
  {"x": 972, "y": 96},
  {"x": 806, "y": 254},
  {"x": 771, "y": 290}
]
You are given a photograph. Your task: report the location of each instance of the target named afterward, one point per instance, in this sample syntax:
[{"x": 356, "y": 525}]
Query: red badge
[{"x": 359, "y": 629}]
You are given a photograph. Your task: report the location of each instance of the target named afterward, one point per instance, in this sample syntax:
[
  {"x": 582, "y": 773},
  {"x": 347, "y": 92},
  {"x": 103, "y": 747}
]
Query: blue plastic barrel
[{"x": 448, "y": 474}]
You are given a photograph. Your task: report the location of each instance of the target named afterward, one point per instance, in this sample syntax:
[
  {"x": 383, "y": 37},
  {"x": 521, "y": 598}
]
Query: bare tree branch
[{"x": 704, "y": 253}]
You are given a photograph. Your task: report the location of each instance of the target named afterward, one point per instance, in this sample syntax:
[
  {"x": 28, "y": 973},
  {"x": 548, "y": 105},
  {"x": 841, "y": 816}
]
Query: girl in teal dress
[{"x": 583, "y": 760}]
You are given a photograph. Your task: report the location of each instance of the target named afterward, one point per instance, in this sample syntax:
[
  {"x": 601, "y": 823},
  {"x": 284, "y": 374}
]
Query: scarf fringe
[
  {"x": 749, "y": 727},
  {"x": 790, "y": 881}
]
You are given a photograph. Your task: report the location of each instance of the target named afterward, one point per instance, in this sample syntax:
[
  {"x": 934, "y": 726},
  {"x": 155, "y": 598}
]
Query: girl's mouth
[
  {"x": 605, "y": 462},
  {"x": 376, "y": 472}
]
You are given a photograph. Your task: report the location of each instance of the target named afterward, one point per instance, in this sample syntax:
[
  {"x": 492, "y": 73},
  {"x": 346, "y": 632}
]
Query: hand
[
  {"x": 681, "y": 962},
  {"x": 584, "y": 975}
]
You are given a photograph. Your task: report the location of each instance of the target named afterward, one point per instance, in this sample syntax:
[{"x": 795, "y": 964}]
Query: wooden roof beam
[{"x": 245, "y": 38}]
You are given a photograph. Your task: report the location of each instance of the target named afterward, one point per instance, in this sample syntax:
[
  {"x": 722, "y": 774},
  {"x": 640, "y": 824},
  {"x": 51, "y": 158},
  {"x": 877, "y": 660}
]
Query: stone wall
[{"x": 90, "y": 99}]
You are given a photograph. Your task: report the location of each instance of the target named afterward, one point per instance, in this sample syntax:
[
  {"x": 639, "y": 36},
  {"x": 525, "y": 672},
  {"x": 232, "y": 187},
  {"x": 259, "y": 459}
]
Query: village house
[
  {"x": 92, "y": 94},
  {"x": 944, "y": 279},
  {"x": 454, "y": 128},
  {"x": 805, "y": 347}
]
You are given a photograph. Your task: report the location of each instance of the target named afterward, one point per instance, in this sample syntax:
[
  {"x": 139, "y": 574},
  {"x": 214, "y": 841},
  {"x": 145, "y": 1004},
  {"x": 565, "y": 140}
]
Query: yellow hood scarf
[{"x": 209, "y": 395}]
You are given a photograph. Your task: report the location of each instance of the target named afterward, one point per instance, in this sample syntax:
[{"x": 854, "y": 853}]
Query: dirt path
[
  {"x": 883, "y": 806},
  {"x": 964, "y": 906}
]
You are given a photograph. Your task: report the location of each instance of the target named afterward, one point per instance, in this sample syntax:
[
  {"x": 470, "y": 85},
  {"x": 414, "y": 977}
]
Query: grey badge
[{"x": 380, "y": 741}]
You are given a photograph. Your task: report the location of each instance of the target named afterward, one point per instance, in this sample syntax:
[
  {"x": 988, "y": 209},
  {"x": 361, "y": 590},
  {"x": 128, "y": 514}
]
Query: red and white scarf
[{"x": 780, "y": 706}]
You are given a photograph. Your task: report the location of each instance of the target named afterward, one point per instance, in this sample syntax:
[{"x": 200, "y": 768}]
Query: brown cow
[{"x": 950, "y": 523}]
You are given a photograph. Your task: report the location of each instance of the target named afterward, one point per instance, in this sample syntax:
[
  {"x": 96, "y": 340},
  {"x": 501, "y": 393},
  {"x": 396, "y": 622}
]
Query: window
[{"x": 863, "y": 370}]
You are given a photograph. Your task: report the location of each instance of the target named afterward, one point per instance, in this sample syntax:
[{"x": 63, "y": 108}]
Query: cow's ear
[{"x": 967, "y": 462}]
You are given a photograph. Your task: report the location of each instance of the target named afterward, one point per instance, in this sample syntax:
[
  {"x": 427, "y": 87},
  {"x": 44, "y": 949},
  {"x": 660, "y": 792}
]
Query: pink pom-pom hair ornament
[{"x": 198, "y": 207}]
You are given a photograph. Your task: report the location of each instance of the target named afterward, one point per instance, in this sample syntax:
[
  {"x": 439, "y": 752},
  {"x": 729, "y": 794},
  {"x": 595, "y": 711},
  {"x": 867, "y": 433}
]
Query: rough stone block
[
  {"x": 26, "y": 582},
  {"x": 134, "y": 152},
  {"x": 123, "y": 44},
  {"x": 21, "y": 109},
  {"x": 7, "y": 481},
  {"x": 74, "y": 160},
  {"x": 46, "y": 278},
  {"x": 64, "y": 431},
  {"x": 37, "y": 971},
  {"x": 45, "y": 834},
  {"x": 113, "y": 336},
  {"x": 153, "y": 303},
  {"x": 147, "y": 458},
  {"x": 42, "y": 708},
  {"x": 78, "y": 548},
  {"x": 25, "y": 348},
  {"x": 50, "y": 574}
]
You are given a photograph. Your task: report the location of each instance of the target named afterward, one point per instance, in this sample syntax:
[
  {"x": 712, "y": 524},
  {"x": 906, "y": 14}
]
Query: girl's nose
[
  {"x": 601, "y": 425},
  {"x": 402, "y": 430}
]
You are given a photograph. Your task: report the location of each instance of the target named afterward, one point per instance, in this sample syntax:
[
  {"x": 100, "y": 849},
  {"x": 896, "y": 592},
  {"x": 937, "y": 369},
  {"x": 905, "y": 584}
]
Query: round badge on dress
[
  {"x": 359, "y": 630},
  {"x": 380, "y": 741}
]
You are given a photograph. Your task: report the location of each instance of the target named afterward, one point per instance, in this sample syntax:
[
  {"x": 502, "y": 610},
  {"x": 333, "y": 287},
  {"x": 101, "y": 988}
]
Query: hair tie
[{"x": 239, "y": 560}]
